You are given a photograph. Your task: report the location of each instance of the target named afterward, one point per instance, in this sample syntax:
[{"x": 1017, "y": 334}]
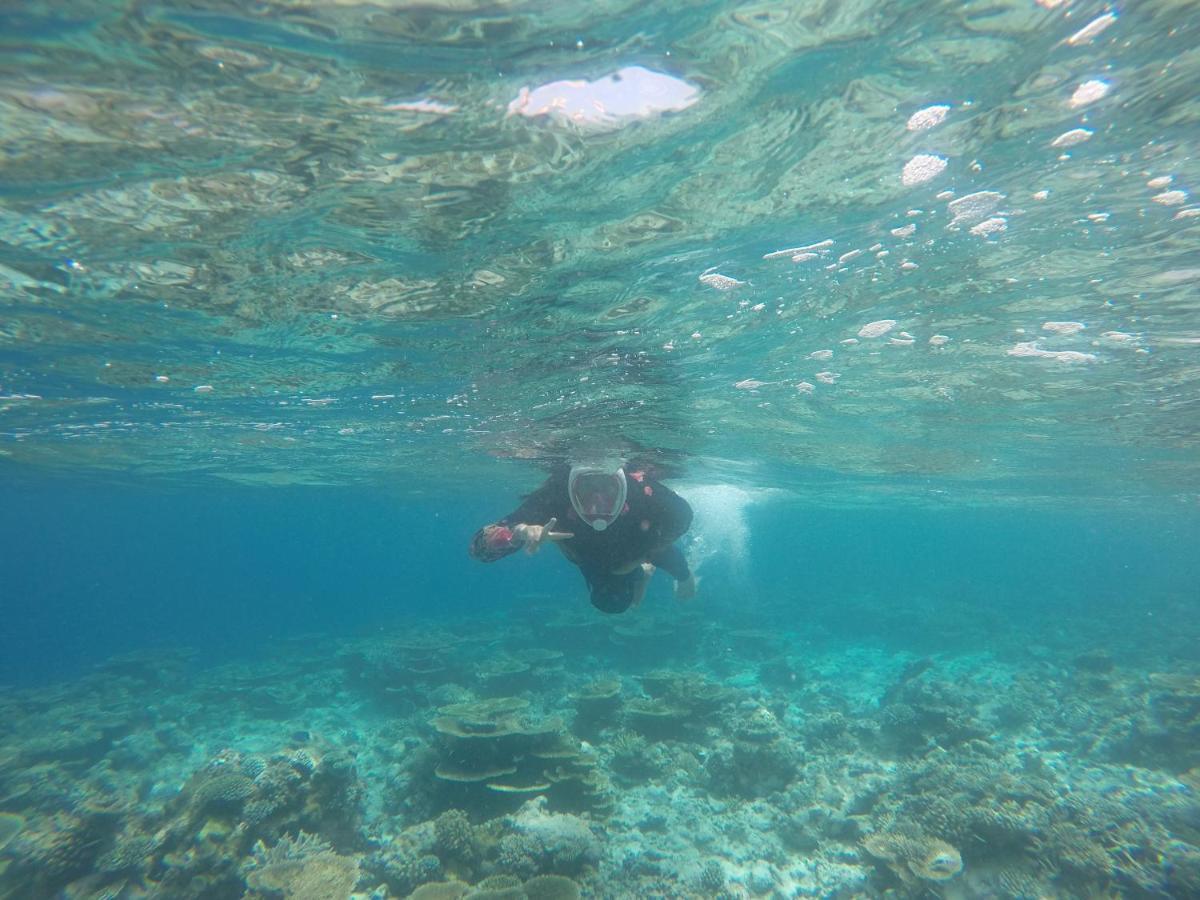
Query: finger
[
  {"x": 549, "y": 526},
  {"x": 560, "y": 535}
]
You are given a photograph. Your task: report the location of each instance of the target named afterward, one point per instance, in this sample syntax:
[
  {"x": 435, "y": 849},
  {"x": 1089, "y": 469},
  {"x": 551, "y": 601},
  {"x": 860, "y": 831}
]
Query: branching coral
[
  {"x": 403, "y": 867},
  {"x": 455, "y": 837},
  {"x": 302, "y": 868}
]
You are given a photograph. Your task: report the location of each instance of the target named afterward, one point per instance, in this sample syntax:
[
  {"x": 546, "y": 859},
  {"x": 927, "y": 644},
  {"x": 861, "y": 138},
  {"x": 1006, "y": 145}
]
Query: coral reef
[
  {"x": 596, "y": 706},
  {"x": 914, "y": 857},
  {"x": 301, "y": 868},
  {"x": 718, "y": 769},
  {"x": 540, "y": 841},
  {"x": 494, "y": 755}
]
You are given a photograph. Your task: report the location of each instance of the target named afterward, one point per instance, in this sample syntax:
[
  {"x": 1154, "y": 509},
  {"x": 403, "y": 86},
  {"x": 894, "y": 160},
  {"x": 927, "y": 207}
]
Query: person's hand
[
  {"x": 533, "y": 535},
  {"x": 686, "y": 589}
]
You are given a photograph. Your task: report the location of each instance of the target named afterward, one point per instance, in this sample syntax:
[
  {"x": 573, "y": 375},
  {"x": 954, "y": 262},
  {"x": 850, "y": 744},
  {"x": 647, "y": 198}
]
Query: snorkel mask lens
[{"x": 597, "y": 494}]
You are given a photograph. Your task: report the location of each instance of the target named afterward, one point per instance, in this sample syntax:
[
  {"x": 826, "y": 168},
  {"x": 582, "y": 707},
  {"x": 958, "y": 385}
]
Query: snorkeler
[{"x": 619, "y": 526}]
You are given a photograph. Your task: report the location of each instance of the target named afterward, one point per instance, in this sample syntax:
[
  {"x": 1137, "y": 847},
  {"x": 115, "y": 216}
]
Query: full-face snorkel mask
[{"x": 597, "y": 493}]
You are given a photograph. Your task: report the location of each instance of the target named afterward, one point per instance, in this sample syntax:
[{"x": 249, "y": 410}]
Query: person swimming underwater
[{"x": 620, "y": 526}]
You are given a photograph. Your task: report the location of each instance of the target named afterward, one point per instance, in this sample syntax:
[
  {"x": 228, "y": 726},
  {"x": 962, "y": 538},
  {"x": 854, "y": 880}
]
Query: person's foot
[{"x": 686, "y": 589}]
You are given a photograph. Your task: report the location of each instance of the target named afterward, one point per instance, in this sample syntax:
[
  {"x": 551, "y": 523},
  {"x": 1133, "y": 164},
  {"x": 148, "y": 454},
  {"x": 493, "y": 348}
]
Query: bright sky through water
[{"x": 859, "y": 250}]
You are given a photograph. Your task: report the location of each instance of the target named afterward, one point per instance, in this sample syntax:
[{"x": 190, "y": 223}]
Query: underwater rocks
[
  {"x": 219, "y": 819},
  {"x": 401, "y": 866},
  {"x": 397, "y": 671}
]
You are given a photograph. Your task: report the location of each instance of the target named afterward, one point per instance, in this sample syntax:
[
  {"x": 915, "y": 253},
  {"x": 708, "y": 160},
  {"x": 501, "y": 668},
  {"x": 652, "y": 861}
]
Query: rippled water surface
[{"x": 935, "y": 250}]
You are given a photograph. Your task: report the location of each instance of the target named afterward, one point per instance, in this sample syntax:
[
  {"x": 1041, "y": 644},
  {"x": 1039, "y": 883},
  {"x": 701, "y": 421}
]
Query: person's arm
[
  {"x": 672, "y": 518},
  {"x": 526, "y": 526},
  {"x": 671, "y": 515}
]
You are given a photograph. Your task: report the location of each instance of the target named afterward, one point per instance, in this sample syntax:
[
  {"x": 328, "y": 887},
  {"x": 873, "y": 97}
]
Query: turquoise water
[{"x": 900, "y": 297}]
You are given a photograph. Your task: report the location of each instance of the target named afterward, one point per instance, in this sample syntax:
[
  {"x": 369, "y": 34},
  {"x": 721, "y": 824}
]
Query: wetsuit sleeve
[
  {"x": 670, "y": 512},
  {"x": 496, "y": 541},
  {"x": 539, "y": 507},
  {"x": 672, "y": 516}
]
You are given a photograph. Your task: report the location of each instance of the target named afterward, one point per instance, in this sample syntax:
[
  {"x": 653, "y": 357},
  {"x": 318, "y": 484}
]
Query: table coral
[{"x": 915, "y": 857}]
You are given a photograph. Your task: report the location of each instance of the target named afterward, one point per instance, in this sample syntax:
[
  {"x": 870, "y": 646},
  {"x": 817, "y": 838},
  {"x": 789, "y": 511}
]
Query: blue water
[
  {"x": 90, "y": 571},
  {"x": 900, "y": 297},
  {"x": 227, "y": 572}
]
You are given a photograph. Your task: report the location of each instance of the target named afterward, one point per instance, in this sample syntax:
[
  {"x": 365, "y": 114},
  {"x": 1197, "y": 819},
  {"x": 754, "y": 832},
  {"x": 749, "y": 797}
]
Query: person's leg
[
  {"x": 639, "y": 590},
  {"x": 616, "y": 593}
]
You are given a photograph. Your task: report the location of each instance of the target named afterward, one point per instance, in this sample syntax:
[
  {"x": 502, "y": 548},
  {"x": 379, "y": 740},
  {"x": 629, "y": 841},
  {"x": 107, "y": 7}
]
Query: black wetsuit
[{"x": 610, "y": 560}]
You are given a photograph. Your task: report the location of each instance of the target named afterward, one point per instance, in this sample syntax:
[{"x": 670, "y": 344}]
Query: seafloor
[{"x": 675, "y": 752}]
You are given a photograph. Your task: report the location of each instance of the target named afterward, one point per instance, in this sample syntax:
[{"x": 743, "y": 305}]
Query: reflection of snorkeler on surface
[{"x": 618, "y": 526}]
